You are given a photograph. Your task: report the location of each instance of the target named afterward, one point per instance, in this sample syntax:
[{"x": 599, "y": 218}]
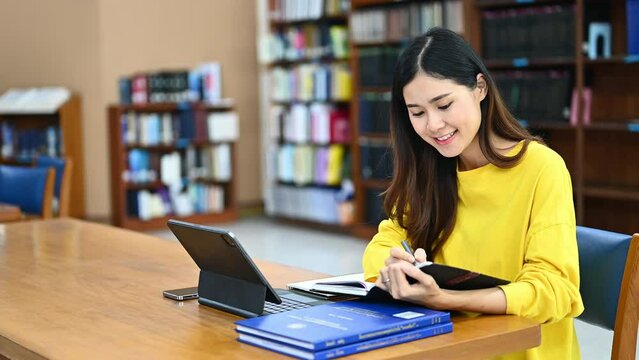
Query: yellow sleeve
[
  {"x": 389, "y": 234},
  {"x": 547, "y": 287}
]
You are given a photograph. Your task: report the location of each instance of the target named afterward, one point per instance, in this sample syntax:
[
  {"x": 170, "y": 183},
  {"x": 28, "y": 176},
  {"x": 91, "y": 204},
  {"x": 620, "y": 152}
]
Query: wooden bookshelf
[
  {"x": 311, "y": 54},
  {"x": 610, "y": 138},
  {"x": 119, "y": 158},
  {"x": 559, "y": 134},
  {"x": 565, "y": 58},
  {"x": 68, "y": 119},
  {"x": 600, "y": 150}
]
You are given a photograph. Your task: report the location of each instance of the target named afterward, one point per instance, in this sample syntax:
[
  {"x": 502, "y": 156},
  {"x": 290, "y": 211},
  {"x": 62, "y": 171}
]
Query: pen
[{"x": 408, "y": 248}]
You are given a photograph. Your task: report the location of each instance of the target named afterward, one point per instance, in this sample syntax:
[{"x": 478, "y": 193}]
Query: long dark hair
[{"x": 422, "y": 196}]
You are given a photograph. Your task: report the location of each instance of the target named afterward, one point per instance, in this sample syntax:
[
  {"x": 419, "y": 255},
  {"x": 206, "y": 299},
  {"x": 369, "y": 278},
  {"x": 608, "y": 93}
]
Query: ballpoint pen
[{"x": 408, "y": 249}]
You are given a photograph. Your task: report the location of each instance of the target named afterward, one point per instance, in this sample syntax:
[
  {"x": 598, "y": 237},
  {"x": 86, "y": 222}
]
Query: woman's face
[{"x": 445, "y": 114}]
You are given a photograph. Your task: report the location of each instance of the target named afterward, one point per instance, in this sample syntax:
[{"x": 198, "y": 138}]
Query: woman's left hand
[{"x": 424, "y": 292}]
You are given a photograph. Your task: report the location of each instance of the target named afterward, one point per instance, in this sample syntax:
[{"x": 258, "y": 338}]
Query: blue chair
[
  {"x": 610, "y": 285},
  {"x": 61, "y": 192},
  {"x": 29, "y": 188}
]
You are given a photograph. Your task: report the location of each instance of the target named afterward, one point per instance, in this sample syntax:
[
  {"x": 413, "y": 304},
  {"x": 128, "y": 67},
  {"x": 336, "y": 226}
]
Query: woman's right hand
[{"x": 399, "y": 254}]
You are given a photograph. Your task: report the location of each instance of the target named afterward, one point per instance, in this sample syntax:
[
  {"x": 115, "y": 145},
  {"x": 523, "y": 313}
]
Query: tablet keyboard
[{"x": 286, "y": 305}]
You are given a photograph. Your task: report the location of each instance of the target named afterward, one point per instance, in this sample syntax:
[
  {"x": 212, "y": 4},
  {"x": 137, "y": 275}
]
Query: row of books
[
  {"x": 306, "y": 203},
  {"x": 22, "y": 143},
  {"x": 377, "y": 65},
  {"x": 632, "y": 26},
  {"x": 375, "y": 159},
  {"x": 292, "y": 10},
  {"x": 169, "y": 128},
  {"x": 309, "y": 41},
  {"x": 543, "y": 31},
  {"x": 537, "y": 95},
  {"x": 405, "y": 21},
  {"x": 342, "y": 328},
  {"x": 203, "y": 83},
  {"x": 207, "y": 163},
  {"x": 317, "y": 123},
  {"x": 195, "y": 199},
  {"x": 307, "y": 82},
  {"x": 374, "y": 112},
  {"x": 312, "y": 165}
]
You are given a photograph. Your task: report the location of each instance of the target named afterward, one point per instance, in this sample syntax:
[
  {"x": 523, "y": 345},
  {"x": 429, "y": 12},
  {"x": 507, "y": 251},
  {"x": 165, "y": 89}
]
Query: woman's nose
[{"x": 435, "y": 123}]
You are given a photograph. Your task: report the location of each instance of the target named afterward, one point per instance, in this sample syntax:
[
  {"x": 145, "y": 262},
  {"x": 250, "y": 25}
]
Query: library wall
[
  {"x": 87, "y": 45},
  {"x": 56, "y": 43}
]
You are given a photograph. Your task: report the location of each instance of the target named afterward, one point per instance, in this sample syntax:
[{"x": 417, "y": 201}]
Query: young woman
[{"x": 473, "y": 189}]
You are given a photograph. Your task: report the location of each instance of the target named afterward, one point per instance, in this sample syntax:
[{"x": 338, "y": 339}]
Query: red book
[
  {"x": 340, "y": 127},
  {"x": 139, "y": 89}
]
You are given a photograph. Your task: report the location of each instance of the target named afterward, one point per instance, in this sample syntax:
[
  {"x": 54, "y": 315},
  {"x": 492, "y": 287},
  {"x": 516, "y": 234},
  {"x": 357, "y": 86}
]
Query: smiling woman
[{"x": 473, "y": 189}]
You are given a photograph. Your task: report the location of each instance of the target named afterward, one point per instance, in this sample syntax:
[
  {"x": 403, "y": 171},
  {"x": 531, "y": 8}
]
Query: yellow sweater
[{"x": 517, "y": 224}]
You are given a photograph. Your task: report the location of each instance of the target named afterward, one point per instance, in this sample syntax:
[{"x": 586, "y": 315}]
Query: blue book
[
  {"x": 632, "y": 14},
  {"x": 349, "y": 349},
  {"x": 341, "y": 323}
]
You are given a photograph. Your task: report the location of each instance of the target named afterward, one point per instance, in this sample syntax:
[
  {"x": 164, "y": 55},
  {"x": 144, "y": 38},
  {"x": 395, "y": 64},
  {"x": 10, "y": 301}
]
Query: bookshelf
[
  {"x": 27, "y": 134},
  {"x": 536, "y": 70},
  {"x": 307, "y": 113},
  {"x": 598, "y": 134},
  {"x": 173, "y": 158},
  {"x": 380, "y": 30},
  {"x": 591, "y": 106}
]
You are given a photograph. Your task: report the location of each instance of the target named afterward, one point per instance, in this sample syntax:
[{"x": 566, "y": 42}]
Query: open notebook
[
  {"x": 447, "y": 277},
  {"x": 351, "y": 284}
]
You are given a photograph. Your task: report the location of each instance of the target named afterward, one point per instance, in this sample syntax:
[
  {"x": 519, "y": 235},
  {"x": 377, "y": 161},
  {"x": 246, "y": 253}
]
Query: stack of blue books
[{"x": 342, "y": 328}]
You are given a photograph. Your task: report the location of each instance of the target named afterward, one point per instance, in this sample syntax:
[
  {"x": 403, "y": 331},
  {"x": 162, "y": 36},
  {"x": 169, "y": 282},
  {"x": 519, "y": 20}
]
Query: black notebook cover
[
  {"x": 447, "y": 277},
  {"x": 452, "y": 278}
]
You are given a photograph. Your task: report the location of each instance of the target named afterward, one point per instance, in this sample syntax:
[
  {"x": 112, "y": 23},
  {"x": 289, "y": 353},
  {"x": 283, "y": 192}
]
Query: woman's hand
[
  {"x": 424, "y": 292},
  {"x": 398, "y": 254},
  {"x": 392, "y": 278}
]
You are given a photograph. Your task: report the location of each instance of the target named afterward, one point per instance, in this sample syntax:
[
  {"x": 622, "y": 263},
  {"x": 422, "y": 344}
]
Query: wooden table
[
  {"x": 9, "y": 213},
  {"x": 76, "y": 290}
]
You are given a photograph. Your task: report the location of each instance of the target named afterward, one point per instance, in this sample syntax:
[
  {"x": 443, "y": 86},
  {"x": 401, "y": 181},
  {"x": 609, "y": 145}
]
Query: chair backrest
[
  {"x": 63, "y": 168},
  {"x": 610, "y": 285},
  {"x": 29, "y": 188}
]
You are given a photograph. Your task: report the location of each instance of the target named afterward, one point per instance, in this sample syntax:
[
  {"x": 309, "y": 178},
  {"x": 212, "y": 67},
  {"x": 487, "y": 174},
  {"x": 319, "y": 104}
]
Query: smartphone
[{"x": 181, "y": 294}]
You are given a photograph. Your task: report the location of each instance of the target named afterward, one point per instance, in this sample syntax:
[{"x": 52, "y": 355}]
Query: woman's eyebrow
[{"x": 438, "y": 97}]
